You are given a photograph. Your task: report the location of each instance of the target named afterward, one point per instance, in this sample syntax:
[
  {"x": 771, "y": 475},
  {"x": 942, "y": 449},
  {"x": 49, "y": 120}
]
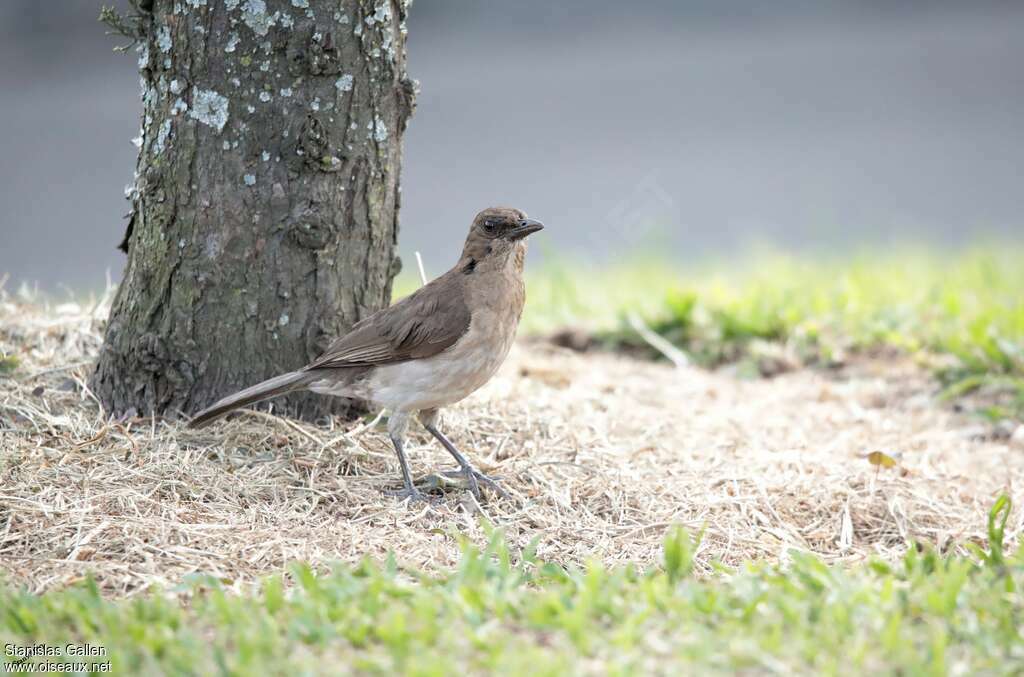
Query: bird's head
[{"x": 496, "y": 233}]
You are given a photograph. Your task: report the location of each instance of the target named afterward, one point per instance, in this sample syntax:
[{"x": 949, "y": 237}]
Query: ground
[
  {"x": 602, "y": 455},
  {"x": 721, "y": 518}
]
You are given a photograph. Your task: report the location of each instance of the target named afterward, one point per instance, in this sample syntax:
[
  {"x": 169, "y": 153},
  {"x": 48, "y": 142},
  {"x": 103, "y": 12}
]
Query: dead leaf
[
  {"x": 551, "y": 377},
  {"x": 883, "y": 459}
]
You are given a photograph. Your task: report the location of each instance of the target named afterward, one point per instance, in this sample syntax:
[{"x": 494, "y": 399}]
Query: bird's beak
[{"x": 525, "y": 227}]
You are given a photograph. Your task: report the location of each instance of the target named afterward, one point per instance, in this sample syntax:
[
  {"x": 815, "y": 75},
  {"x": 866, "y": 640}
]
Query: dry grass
[{"x": 600, "y": 453}]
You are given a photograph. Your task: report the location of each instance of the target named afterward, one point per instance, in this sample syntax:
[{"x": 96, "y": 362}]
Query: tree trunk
[{"x": 265, "y": 201}]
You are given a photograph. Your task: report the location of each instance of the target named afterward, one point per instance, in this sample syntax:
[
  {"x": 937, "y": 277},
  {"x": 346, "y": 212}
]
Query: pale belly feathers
[{"x": 440, "y": 380}]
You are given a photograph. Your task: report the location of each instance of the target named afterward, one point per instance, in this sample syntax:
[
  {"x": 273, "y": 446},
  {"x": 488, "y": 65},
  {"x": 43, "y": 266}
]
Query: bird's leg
[
  {"x": 466, "y": 470},
  {"x": 397, "y": 424}
]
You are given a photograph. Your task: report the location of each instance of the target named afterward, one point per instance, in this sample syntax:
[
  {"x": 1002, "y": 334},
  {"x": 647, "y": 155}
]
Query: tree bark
[{"x": 265, "y": 202}]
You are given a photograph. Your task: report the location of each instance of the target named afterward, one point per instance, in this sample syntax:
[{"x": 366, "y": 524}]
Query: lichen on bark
[{"x": 249, "y": 206}]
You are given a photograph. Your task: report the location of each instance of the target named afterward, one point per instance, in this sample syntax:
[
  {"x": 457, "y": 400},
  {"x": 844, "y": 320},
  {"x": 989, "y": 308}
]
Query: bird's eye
[{"x": 490, "y": 226}]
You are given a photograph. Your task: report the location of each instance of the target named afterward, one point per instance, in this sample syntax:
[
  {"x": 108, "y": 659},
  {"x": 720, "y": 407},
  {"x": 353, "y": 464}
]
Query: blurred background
[{"x": 693, "y": 128}]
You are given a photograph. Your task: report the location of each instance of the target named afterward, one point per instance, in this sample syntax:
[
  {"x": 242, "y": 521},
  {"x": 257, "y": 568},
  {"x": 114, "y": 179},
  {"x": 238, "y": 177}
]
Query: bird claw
[
  {"x": 411, "y": 495},
  {"x": 474, "y": 479}
]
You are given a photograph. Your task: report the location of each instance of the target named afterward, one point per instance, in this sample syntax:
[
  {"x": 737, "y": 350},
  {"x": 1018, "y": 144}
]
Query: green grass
[
  {"x": 8, "y": 364},
  {"x": 965, "y": 307},
  {"x": 511, "y": 614}
]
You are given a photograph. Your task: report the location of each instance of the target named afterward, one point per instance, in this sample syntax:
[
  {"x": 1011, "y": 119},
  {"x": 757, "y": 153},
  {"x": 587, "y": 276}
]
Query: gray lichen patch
[
  {"x": 179, "y": 106},
  {"x": 380, "y": 130},
  {"x": 254, "y": 14},
  {"x": 380, "y": 15},
  {"x": 211, "y": 247},
  {"x": 209, "y": 107},
  {"x": 163, "y": 40},
  {"x": 344, "y": 83},
  {"x": 161, "y": 137}
]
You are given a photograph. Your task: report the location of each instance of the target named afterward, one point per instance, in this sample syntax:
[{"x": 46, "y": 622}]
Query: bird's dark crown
[{"x": 496, "y": 221}]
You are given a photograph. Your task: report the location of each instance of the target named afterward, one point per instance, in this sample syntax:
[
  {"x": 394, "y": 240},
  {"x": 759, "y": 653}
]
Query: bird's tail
[{"x": 272, "y": 387}]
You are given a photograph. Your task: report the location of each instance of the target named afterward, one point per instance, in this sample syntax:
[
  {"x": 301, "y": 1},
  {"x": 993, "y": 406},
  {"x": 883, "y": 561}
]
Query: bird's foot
[
  {"x": 474, "y": 479},
  {"x": 411, "y": 495}
]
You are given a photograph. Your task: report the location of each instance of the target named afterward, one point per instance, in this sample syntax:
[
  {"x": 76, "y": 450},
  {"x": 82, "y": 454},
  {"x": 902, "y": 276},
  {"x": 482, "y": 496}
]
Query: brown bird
[{"x": 429, "y": 350}]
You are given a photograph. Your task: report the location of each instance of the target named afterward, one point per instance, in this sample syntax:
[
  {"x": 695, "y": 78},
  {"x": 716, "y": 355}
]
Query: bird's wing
[{"x": 420, "y": 325}]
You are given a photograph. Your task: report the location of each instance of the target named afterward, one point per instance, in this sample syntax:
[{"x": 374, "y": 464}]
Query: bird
[{"x": 429, "y": 350}]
